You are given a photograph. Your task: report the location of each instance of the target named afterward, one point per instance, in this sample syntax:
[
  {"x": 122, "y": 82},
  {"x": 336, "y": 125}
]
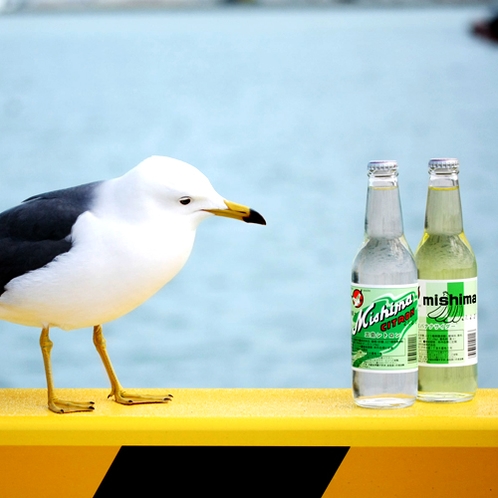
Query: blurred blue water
[{"x": 282, "y": 109}]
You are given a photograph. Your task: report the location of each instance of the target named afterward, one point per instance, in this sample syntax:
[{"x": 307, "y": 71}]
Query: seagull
[{"x": 86, "y": 255}]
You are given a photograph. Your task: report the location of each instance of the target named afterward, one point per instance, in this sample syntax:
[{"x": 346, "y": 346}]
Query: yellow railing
[{"x": 429, "y": 450}]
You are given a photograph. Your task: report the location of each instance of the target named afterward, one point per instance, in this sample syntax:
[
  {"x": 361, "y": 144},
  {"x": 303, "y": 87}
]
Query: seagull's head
[{"x": 181, "y": 190}]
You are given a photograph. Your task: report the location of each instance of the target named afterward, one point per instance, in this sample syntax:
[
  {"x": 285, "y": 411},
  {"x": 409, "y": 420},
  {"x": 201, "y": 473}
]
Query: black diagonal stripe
[{"x": 222, "y": 471}]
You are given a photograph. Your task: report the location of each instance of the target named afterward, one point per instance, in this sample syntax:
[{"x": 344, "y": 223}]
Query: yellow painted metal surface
[
  {"x": 51, "y": 471},
  {"x": 429, "y": 450},
  {"x": 247, "y": 417},
  {"x": 416, "y": 473}
]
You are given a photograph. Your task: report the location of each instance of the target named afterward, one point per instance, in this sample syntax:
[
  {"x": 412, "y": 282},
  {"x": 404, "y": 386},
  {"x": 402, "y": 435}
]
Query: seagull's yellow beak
[{"x": 239, "y": 212}]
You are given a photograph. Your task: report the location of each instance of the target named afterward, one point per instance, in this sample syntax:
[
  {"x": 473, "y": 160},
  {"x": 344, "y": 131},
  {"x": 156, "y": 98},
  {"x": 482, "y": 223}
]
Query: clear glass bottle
[
  {"x": 384, "y": 300},
  {"x": 448, "y": 293}
]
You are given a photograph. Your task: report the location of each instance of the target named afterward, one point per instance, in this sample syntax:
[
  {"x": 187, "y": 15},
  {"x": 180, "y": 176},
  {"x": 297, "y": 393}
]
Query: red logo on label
[{"x": 357, "y": 298}]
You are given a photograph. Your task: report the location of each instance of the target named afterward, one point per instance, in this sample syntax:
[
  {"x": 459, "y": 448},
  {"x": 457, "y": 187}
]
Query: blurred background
[{"x": 281, "y": 104}]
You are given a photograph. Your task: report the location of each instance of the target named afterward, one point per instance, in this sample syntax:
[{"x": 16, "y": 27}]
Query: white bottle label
[{"x": 447, "y": 311}]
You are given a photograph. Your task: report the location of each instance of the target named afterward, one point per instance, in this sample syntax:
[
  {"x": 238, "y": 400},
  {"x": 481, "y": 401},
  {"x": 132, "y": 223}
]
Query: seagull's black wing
[{"x": 35, "y": 232}]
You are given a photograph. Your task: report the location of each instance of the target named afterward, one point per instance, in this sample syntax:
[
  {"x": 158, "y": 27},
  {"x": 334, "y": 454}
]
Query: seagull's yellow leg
[
  {"x": 120, "y": 396},
  {"x": 55, "y": 404}
]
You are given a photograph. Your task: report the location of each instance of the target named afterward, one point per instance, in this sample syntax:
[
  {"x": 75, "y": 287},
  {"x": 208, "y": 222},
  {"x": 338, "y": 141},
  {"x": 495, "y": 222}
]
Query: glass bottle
[
  {"x": 384, "y": 300},
  {"x": 448, "y": 293}
]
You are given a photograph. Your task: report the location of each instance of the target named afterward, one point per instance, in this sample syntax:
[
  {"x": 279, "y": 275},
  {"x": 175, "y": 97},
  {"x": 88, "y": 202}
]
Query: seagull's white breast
[{"x": 113, "y": 267}]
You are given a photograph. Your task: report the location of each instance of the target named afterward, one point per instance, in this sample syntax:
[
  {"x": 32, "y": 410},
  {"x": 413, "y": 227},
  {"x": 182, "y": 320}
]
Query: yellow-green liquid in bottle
[{"x": 444, "y": 254}]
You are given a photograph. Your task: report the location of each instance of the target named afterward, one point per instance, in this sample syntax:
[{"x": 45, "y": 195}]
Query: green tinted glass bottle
[{"x": 447, "y": 272}]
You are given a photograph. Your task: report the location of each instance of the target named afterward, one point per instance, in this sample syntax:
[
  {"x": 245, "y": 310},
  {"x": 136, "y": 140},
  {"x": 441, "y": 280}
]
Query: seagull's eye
[{"x": 185, "y": 200}]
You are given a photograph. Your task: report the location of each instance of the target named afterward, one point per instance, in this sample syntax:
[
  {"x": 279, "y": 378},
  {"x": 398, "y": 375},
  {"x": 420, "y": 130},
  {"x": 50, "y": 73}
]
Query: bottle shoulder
[
  {"x": 392, "y": 247},
  {"x": 442, "y": 256},
  {"x": 384, "y": 261}
]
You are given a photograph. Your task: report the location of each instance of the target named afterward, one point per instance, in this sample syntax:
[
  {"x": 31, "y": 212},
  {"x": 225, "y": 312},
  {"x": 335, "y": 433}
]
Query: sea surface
[{"x": 281, "y": 109}]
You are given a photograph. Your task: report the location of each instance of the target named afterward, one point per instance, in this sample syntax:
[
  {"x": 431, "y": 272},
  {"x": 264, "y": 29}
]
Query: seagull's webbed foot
[
  {"x": 63, "y": 406},
  {"x": 117, "y": 392},
  {"x": 57, "y": 405},
  {"x": 125, "y": 398}
]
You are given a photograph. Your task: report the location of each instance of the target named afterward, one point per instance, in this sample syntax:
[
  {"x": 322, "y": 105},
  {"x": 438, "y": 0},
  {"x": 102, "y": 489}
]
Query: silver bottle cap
[
  {"x": 444, "y": 165},
  {"x": 382, "y": 167}
]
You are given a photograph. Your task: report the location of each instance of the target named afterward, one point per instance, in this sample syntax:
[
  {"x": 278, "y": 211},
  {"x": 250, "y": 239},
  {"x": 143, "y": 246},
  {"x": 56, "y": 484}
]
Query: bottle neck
[
  {"x": 443, "y": 215},
  {"x": 383, "y": 213}
]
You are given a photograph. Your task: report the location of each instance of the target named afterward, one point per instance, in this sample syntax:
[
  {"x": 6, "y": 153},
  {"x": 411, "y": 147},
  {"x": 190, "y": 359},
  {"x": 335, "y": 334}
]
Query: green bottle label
[
  {"x": 384, "y": 327},
  {"x": 448, "y": 322}
]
